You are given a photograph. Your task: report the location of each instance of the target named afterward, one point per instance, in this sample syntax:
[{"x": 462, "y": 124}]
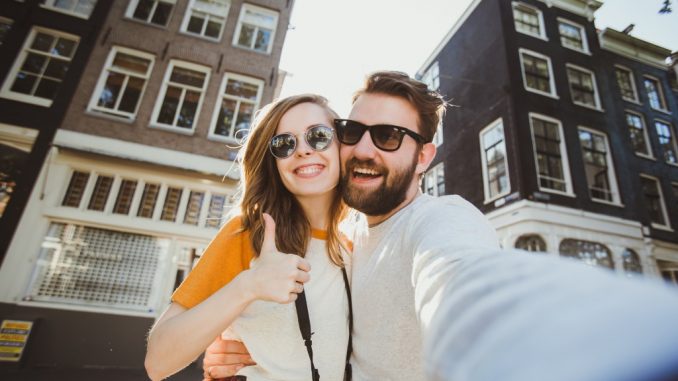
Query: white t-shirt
[
  {"x": 270, "y": 331},
  {"x": 387, "y": 338}
]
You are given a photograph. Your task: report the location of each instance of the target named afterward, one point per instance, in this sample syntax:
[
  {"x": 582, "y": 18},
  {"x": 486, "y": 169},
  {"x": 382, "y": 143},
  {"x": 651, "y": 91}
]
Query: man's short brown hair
[{"x": 429, "y": 104}]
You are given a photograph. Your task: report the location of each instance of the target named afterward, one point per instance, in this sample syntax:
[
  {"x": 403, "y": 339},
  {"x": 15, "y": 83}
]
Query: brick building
[
  {"x": 567, "y": 133},
  {"x": 140, "y": 175}
]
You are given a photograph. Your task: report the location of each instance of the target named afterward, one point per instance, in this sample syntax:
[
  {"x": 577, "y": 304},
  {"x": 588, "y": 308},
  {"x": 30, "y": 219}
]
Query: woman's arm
[{"x": 181, "y": 334}]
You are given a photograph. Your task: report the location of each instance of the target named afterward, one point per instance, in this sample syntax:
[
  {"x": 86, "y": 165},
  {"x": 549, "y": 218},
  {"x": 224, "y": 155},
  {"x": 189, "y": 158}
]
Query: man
[{"x": 429, "y": 281}]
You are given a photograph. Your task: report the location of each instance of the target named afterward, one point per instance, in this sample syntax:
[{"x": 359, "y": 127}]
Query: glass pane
[
  {"x": 195, "y": 24},
  {"x": 216, "y": 210},
  {"x": 244, "y": 119},
  {"x": 24, "y": 83},
  {"x": 242, "y": 89},
  {"x": 130, "y": 97},
  {"x": 143, "y": 11},
  {"x": 193, "y": 208},
  {"x": 34, "y": 63},
  {"x": 172, "y": 199},
  {"x": 162, "y": 13},
  {"x": 56, "y": 68},
  {"x": 47, "y": 88},
  {"x": 187, "y": 77},
  {"x": 76, "y": 187},
  {"x": 100, "y": 193},
  {"x": 125, "y": 194},
  {"x": 64, "y": 48},
  {"x": 188, "y": 109},
  {"x": 169, "y": 106},
  {"x": 85, "y": 7},
  {"x": 246, "y": 36},
  {"x": 131, "y": 63},
  {"x": 109, "y": 94},
  {"x": 148, "y": 199},
  {"x": 213, "y": 29},
  {"x": 42, "y": 42},
  {"x": 225, "y": 119},
  {"x": 263, "y": 40}
]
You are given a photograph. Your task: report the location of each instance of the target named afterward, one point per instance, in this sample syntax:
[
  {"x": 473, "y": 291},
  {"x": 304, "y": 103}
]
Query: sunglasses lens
[
  {"x": 386, "y": 138},
  {"x": 283, "y": 145},
  {"x": 350, "y": 132},
  {"x": 319, "y": 137}
]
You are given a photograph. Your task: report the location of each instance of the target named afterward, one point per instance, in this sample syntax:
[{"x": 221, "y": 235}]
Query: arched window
[
  {"x": 592, "y": 253},
  {"x": 631, "y": 262},
  {"x": 531, "y": 242}
]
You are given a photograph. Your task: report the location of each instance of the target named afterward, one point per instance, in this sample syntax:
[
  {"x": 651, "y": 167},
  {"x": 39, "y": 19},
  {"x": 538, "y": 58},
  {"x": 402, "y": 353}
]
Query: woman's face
[{"x": 308, "y": 173}]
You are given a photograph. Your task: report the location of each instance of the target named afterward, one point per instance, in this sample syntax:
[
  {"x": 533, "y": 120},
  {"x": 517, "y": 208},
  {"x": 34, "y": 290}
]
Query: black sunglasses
[
  {"x": 384, "y": 136},
  {"x": 318, "y": 137}
]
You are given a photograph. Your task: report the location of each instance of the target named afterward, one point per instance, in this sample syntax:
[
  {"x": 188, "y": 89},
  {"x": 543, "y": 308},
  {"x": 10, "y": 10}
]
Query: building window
[
  {"x": 592, "y": 253},
  {"x": 653, "y": 201},
  {"x": 537, "y": 73},
  {"x": 194, "y": 207},
  {"x": 5, "y": 26},
  {"x": 122, "y": 83},
  {"x": 181, "y": 96},
  {"x": 495, "y": 164},
  {"x": 256, "y": 28},
  {"x": 16, "y": 144},
  {"x": 531, "y": 242},
  {"x": 638, "y": 134},
  {"x": 76, "y": 189},
  {"x": 626, "y": 83},
  {"x": 674, "y": 190},
  {"x": 631, "y": 262},
  {"x": 669, "y": 271},
  {"x": 550, "y": 154},
  {"x": 434, "y": 180},
  {"x": 123, "y": 202},
  {"x": 90, "y": 267},
  {"x": 82, "y": 8},
  {"x": 148, "y": 200},
  {"x": 233, "y": 114},
  {"x": 655, "y": 94},
  {"x": 598, "y": 166},
  {"x": 432, "y": 78},
  {"x": 528, "y": 20},
  {"x": 215, "y": 210},
  {"x": 171, "y": 206},
  {"x": 667, "y": 141},
  {"x": 40, "y": 67},
  {"x": 151, "y": 11},
  {"x": 206, "y": 18},
  {"x": 99, "y": 196},
  {"x": 583, "y": 88},
  {"x": 572, "y": 36}
]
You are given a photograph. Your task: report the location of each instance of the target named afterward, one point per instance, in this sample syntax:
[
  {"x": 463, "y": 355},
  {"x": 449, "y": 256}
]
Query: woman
[{"x": 290, "y": 204}]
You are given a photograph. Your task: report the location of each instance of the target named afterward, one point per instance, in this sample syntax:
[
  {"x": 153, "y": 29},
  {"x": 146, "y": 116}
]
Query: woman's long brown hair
[{"x": 264, "y": 191}]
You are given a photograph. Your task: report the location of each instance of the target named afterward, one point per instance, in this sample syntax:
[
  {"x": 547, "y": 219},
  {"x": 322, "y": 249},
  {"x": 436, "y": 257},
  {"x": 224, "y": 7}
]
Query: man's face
[{"x": 377, "y": 182}]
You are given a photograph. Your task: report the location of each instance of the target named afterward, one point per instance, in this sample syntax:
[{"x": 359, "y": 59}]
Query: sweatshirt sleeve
[{"x": 229, "y": 253}]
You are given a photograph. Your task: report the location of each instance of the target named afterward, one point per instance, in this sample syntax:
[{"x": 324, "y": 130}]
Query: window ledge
[
  {"x": 634, "y": 101},
  {"x": 550, "y": 95},
  {"x": 107, "y": 116},
  {"x": 537, "y": 36},
  {"x": 18, "y": 97},
  {"x": 497, "y": 197},
  {"x": 594, "y": 108},
  {"x": 667, "y": 112},
  {"x": 611, "y": 203},
  {"x": 267, "y": 53},
  {"x": 200, "y": 36},
  {"x": 647, "y": 157},
  {"x": 557, "y": 192},
  {"x": 671, "y": 164},
  {"x": 662, "y": 227},
  {"x": 132, "y": 19},
  {"x": 224, "y": 139},
  {"x": 70, "y": 13},
  {"x": 178, "y": 130},
  {"x": 586, "y": 52}
]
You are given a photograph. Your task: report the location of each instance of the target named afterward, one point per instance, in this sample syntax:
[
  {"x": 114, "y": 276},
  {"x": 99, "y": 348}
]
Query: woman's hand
[
  {"x": 224, "y": 358},
  {"x": 276, "y": 277}
]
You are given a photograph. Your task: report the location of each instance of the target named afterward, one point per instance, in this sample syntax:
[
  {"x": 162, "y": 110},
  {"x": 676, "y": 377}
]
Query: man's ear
[{"x": 426, "y": 155}]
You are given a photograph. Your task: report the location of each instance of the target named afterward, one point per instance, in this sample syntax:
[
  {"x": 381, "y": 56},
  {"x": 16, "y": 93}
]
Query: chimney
[{"x": 628, "y": 29}]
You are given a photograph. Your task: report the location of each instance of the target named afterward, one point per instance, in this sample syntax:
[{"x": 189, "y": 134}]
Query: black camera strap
[{"x": 305, "y": 328}]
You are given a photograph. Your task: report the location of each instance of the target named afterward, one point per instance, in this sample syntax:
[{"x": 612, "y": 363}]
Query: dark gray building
[
  {"x": 139, "y": 177},
  {"x": 567, "y": 134}
]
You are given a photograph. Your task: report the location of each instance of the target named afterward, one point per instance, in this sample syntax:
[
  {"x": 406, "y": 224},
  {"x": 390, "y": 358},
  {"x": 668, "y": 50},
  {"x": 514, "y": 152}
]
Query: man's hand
[
  {"x": 224, "y": 358},
  {"x": 275, "y": 276}
]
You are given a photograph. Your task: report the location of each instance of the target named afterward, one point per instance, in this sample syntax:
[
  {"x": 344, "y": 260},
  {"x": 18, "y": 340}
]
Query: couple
[{"x": 433, "y": 296}]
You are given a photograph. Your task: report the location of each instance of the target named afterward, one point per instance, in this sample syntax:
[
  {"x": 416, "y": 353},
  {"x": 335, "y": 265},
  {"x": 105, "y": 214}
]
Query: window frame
[
  {"x": 433, "y": 177},
  {"x": 239, "y": 24},
  {"x": 5, "y": 90},
  {"x": 648, "y": 144},
  {"x": 552, "y": 84},
  {"x": 133, "y": 4},
  {"x": 596, "y": 92},
  {"x": 187, "y": 17},
  {"x": 486, "y": 184},
  {"x": 660, "y": 94},
  {"x": 101, "y": 83},
  {"x": 674, "y": 139},
  {"x": 567, "y": 177},
  {"x": 540, "y": 16},
  {"x": 220, "y": 96},
  {"x": 49, "y": 4},
  {"x": 431, "y": 78},
  {"x": 584, "y": 38},
  {"x": 662, "y": 203},
  {"x": 611, "y": 173},
  {"x": 632, "y": 79},
  {"x": 162, "y": 92}
]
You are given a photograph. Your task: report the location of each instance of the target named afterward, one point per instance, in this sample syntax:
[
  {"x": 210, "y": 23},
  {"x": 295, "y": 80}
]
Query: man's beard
[{"x": 386, "y": 197}]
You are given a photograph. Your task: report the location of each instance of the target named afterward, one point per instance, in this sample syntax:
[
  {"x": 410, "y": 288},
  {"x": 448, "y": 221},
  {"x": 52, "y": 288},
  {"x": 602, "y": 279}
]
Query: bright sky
[{"x": 335, "y": 43}]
